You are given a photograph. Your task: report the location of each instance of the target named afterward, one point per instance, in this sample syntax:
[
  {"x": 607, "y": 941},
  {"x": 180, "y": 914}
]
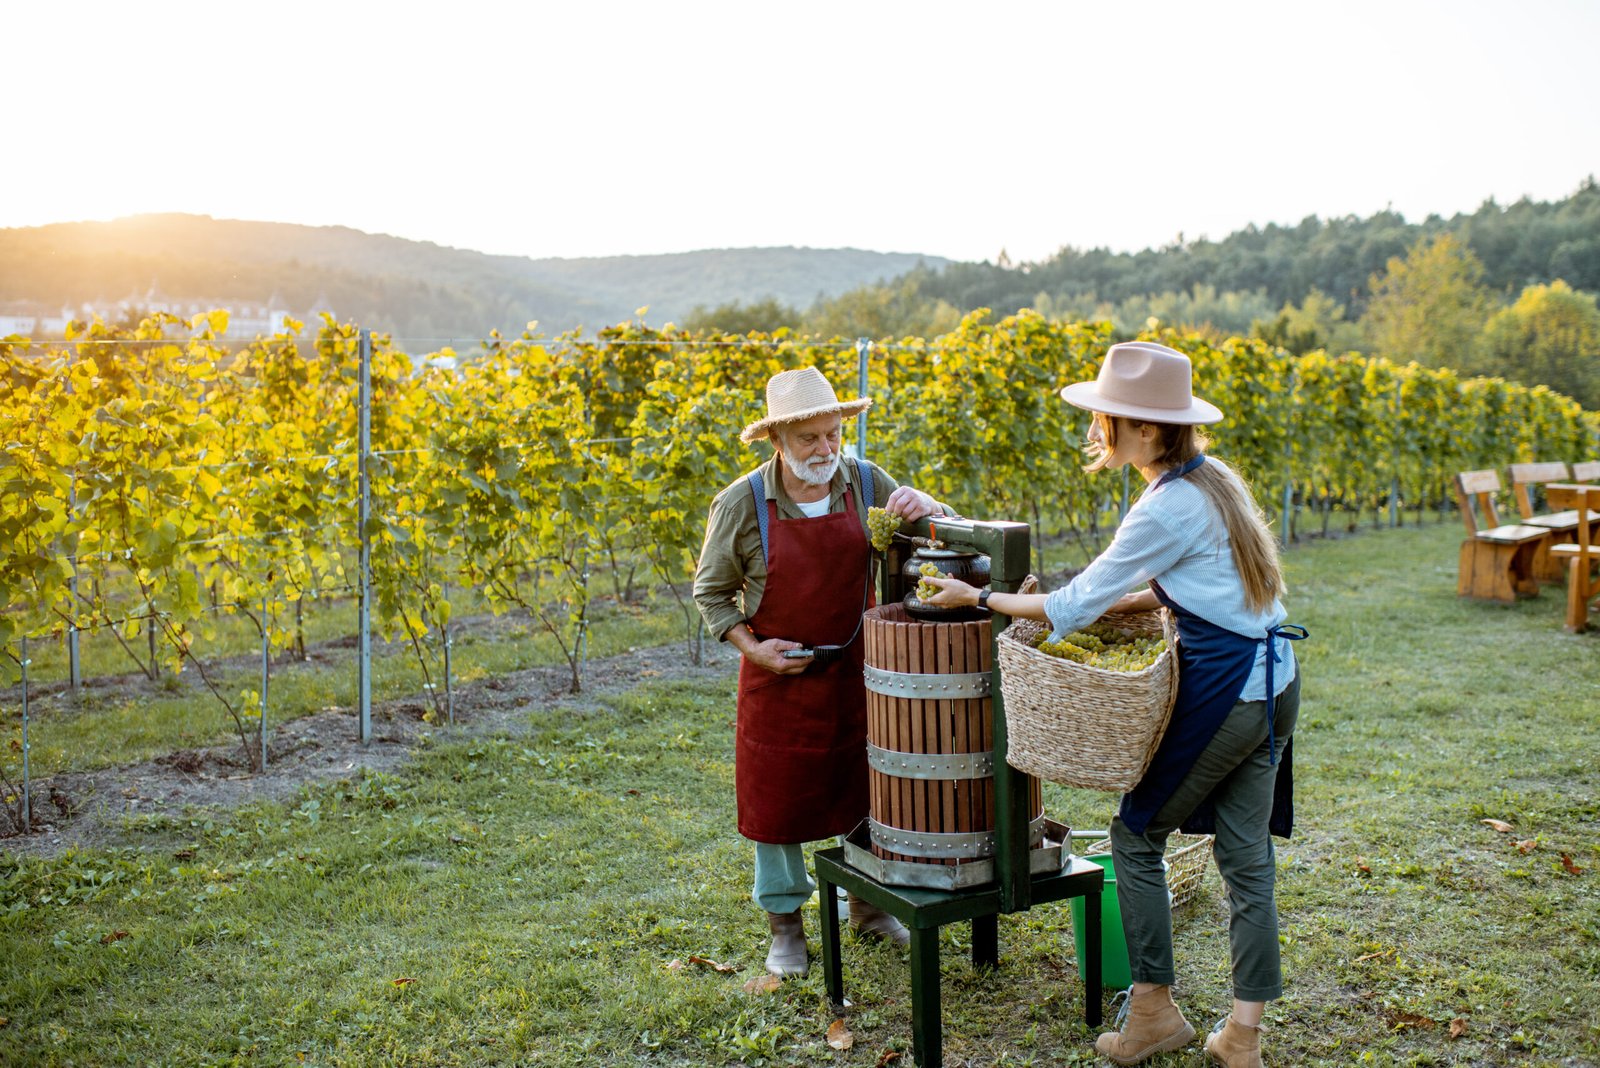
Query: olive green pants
[{"x": 1236, "y": 765}]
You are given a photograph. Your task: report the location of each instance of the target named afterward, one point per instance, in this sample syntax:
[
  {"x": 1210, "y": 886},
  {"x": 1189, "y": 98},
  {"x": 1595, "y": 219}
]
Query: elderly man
[{"x": 787, "y": 566}]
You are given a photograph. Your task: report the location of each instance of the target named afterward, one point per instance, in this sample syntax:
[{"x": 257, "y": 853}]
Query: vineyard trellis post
[
  {"x": 863, "y": 351},
  {"x": 74, "y": 665},
  {"x": 1288, "y": 456},
  {"x": 27, "y": 784},
  {"x": 363, "y": 514},
  {"x": 266, "y": 661}
]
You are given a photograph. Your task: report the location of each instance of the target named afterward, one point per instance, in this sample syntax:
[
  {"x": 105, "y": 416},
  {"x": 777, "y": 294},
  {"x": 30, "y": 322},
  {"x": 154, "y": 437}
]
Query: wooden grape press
[{"x": 956, "y": 834}]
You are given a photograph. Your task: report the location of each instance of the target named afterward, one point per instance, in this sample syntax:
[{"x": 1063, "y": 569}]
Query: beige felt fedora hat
[
  {"x": 1146, "y": 381},
  {"x": 800, "y": 394}
]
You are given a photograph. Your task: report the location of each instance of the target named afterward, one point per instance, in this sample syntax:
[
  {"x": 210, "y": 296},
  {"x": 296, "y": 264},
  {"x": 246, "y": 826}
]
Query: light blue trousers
[{"x": 782, "y": 882}]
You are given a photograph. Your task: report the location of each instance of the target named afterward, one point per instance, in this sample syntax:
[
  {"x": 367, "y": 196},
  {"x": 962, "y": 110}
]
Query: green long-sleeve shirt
[{"x": 732, "y": 574}]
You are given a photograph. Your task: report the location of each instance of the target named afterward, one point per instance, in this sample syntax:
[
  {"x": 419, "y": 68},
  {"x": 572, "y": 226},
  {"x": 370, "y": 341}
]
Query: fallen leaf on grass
[
  {"x": 839, "y": 1036},
  {"x": 183, "y": 854},
  {"x": 674, "y": 965},
  {"x": 1566, "y": 862},
  {"x": 1362, "y": 866},
  {"x": 114, "y": 936},
  {"x": 5, "y": 1021},
  {"x": 1500, "y": 825},
  {"x": 1527, "y": 845},
  {"x": 1372, "y": 956},
  {"x": 1458, "y": 1027},
  {"x": 707, "y": 962},
  {"x": 649, "y": 673},
  {"x": 1410, "y": 1019},
  {"x": 889, "y": 1057},
  {"x": 763, "y": 984},
  {"x": 407, "y": 981}
]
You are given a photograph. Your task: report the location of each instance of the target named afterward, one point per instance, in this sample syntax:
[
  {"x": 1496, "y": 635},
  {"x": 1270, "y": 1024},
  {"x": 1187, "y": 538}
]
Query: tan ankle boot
[
  {"x": 1154, "y": 1025},
  {"x": 869, "y": 921},
  {"x": 788, "y": 954},
  {"x": 1234, "y": 1045}
]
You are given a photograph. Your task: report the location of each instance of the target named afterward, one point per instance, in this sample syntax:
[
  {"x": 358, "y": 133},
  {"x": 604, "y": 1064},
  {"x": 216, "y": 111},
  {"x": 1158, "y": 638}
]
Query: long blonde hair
[{"x": 1255, "y": 551}]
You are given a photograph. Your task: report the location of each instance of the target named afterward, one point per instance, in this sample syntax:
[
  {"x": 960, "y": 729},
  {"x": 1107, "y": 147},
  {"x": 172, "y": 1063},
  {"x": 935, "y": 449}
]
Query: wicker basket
[
  {"x": 1083, "y": 726},
  {"x": 1186, "y": 859}
]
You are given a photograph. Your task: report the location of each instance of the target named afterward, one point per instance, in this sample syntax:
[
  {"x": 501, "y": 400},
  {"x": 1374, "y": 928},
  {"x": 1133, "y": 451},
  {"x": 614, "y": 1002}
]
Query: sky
[{"x": 951, "y": 129}]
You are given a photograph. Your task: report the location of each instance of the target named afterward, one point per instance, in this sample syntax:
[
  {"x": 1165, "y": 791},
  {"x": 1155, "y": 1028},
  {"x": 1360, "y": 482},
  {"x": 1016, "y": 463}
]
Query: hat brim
[
  {"x": 1086, "y": 395},
  {"x": 846, "y": 409}
]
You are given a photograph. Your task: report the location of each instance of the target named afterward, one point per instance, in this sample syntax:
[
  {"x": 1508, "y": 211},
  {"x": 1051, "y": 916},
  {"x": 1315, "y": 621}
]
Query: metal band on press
[
  {"x": 930, "y": 765},
  {"x": 944, "y": 846},
  {"x": 928, "y": 687}
]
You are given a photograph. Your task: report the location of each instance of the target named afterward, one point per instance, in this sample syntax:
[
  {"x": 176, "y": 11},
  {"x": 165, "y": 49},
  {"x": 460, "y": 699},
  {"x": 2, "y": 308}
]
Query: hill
[{"x": 413, "y": 288}]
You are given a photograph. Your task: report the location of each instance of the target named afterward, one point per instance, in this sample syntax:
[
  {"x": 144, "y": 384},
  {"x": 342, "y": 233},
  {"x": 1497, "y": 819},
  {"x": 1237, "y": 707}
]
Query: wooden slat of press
[
  {"x": 983, "y": 789},
  {"x": 927, "y": 790},
  {"x": 960, "y": 736},
  {"x": 891, "y": 731},
  {"x": 942, "y": 792},
  {"x": 874, "y": 710},
  {"x": 911, "y": 729}
]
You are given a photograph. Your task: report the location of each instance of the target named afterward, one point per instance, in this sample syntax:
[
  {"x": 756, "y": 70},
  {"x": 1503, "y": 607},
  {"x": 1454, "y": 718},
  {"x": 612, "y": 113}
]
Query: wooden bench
[
  {"x": 1496, "y": 560},
  {"x": 1580, "y": 557},
  {"x": 1560, "y": 495},
  {"x": 1562, "y": 524}
]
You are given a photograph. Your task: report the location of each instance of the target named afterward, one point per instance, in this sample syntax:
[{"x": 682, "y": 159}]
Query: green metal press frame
[{"x": 1015, "y": 888}]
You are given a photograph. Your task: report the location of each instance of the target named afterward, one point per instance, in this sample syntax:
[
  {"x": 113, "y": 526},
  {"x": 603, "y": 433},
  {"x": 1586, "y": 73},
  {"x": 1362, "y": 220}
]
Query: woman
[{"x": 1199, "y": 540}]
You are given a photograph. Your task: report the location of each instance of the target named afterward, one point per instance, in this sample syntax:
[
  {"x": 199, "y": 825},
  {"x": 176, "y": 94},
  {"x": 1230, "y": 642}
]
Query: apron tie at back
[{"x": 1282, "y": 630}]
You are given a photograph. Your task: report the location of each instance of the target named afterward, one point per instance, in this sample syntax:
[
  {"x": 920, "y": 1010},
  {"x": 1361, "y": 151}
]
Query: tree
[
  {"x": 1429, "y": 307},
  {"x": 1318, "y": 323},
  {"x": 757, "y": 317},
  {"x": 1550, "y": 336}
]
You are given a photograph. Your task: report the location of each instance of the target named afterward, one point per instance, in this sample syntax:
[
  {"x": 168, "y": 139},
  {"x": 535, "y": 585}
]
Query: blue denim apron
[{"x": 1213, "y": 666}]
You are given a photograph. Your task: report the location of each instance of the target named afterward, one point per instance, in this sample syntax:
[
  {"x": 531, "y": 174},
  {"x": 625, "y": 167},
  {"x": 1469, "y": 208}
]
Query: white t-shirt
[{"x": 815, "y": 508}]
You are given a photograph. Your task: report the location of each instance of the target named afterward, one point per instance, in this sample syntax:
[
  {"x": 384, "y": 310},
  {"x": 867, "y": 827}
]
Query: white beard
[{"x": 813, "y": 474}]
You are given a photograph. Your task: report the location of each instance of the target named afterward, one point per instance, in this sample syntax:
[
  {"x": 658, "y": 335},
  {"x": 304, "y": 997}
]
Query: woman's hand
[
  {"x": 911, "y": 504},
  {"x": 953, "y": 593}
]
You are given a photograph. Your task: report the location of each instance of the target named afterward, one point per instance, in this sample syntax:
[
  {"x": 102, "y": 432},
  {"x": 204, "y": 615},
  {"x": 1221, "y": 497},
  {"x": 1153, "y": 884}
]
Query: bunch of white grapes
[
  {"x": 925, "y": 589},
  {"x": 881, "y": 526},
  {"x": 1104, "y": 647}
]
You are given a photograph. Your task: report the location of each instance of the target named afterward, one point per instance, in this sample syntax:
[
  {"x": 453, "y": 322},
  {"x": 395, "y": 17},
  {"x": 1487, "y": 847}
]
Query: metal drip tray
[{"x": 1049, "y": 857}]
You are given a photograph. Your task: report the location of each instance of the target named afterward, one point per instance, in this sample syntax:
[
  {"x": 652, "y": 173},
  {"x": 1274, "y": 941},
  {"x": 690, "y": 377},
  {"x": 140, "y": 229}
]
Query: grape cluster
[
  {"x": 1102, "y": 646},
  {"x": 881, "y": 525},
  {"x": 925, "y": 589}
]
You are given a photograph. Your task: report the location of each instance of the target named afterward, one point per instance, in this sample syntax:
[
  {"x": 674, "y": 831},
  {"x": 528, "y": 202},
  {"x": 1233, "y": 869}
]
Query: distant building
[
  {"x": 30, "y": 318},
  {"x": 246, "y": 319}
]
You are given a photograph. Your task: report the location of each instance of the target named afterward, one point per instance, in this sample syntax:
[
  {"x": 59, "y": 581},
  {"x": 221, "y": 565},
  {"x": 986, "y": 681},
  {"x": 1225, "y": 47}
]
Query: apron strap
[
  {"x": 1284, "y": 631},
  {"x": 758, "y": 489}
]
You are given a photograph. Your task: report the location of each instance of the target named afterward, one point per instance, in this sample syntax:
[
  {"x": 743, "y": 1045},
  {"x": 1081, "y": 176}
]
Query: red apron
[{"x": 800, "y": 766}]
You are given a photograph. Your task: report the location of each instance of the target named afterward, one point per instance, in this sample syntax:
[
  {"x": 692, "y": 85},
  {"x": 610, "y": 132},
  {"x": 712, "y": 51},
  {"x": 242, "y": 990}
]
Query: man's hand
[
  {"x": 769, "y": 653},
  {"x": 911, "y": 504}
]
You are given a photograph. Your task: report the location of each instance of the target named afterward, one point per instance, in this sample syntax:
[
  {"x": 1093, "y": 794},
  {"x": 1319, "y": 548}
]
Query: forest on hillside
[{"x": 1507, "y": 290}]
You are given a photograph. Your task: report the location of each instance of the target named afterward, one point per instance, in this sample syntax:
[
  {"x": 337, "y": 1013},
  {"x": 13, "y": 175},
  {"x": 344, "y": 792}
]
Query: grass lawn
[{"x": 535, "y": 889}]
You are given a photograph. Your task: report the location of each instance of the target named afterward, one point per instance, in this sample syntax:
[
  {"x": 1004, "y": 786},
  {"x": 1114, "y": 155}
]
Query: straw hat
[
  {"x": 800, "y": 394},
  {"x": 1146, "y": 381}
]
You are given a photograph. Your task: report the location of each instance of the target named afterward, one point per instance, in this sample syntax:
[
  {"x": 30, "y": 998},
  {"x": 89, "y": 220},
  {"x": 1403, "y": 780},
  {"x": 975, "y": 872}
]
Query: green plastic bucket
[{"x": 1114, "y": 971}]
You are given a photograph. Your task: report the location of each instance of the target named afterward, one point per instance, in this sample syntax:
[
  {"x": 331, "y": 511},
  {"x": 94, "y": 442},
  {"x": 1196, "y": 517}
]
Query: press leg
[
  {"x": 927, "y": 1031},
  {"x": 832, "y": 968},
  {"x": 986, "y": 940},
  {"x": 1091, "y": 942}
]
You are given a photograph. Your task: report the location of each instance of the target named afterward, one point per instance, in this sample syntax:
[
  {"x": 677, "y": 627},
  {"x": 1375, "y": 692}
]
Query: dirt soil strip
[{"x": 85, "y": 809}]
